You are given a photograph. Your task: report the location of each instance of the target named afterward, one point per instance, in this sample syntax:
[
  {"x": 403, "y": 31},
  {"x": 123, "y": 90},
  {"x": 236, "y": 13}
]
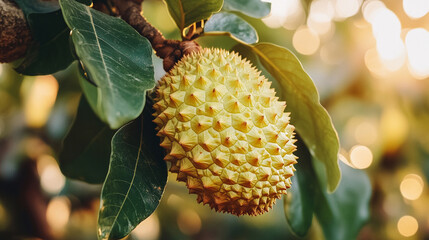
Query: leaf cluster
[{"x": 112, "y": 140}]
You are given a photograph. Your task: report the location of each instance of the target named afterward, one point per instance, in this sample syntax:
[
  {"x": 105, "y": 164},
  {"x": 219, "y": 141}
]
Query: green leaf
[
  {"x": 135, "y": 182},
  {"x": 233, "y": 24},
  {"x": 311, "y": 120},
  {"x": 186, "y": 12},
  {"x": 50, "y": 51},
  {"x": 89, "y": 90},
  {"x": 299, "y": 204},
  {"x": 42, "y": 6},
  {"x": 115, "y": 57},
  {"x": 252, "y": 8},
  {"x": 37, "y": 6},
  {"x": 343, "y": 213},
  {"x": 86, "y": 148}
]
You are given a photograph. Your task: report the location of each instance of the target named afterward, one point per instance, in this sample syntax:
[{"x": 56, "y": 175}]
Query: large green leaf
[
  {"x": 299, "y": 204},
  {"x": 233, "y": 25},
  {"x": 50, "y": 51},
  {"x": 135, "y": 182},
  {"x": 252, "y": 8},
  {"x": 186, "y": 12},
  {"x": 311, "y": 120},
  {"x": 115, "y": 57},
  {"x": 343, "y": 213},
  {"x": 86, "y": 148}
]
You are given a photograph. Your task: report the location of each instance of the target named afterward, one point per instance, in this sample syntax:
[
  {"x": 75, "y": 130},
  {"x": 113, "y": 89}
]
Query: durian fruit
[{"x": 225, "y": 132}]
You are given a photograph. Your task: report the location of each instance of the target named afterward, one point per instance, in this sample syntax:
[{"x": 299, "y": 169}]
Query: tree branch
[
  {"x": 15, "y": 35},
  {"x": 169, "y": 50}
]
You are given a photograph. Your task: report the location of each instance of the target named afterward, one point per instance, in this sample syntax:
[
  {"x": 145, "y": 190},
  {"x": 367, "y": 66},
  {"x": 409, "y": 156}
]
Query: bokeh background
[{"x": 370, "y": 63}]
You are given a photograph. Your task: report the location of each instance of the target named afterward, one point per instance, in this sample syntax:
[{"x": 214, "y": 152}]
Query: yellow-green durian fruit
[{"x": 225, "y": 132}]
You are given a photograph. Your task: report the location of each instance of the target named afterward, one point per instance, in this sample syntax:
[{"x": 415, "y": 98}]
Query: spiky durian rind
[{"x": 226, "y": 134}]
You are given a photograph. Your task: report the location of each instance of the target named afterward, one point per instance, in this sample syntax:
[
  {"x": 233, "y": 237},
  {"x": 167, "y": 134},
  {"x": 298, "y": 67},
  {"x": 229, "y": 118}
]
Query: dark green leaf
[
  {"x": 42, "y": 6},
  {"x": 311, "y": 120},
  {"x": 252, "y": 8},
  {"x": 116, "y": 58},
  {"x": 299, "y": 204},
  {"x": 86, "y": 148},
  {"x": 186, "y": 12},
  {"x": 50, "y": 51},
  {"x": 135, "y": 182},
  {"x": 88, "y": 89},
  {"x": 233, "y": 24},
  {"x": 343, "y": 213},
  {"x": 37, "y": 6}
]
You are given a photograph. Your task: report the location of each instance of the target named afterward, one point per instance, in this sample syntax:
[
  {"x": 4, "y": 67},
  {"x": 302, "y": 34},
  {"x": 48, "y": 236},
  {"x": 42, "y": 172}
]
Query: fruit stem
[{"x": 169, "y": 50}]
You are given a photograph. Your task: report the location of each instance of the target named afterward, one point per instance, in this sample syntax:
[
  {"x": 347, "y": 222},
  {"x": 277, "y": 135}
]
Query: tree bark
[{"x": 15, "y": 35}]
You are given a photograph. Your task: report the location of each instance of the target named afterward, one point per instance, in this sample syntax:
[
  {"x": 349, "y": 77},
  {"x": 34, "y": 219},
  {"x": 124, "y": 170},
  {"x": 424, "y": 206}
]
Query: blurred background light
[
  {"x": 321, "y": 10},
  {"x": 416, "y": 8},
  {"x": 58, "y": 213},
  {"x": 189, "y": 222},
  {"x": 407, "y": 226},
  {"x": 361, "y": 156},
  {"x": 4, "y": 218},
  {"x": 306, "y": 41},
  {"x": 279, "y": 11},
  {"x": 148, "y": 229},
  {"x": 394, "y": 128},
  {"x": 385, "y": 24},
  {"x": 370, "y": 7},
  {"x": 174, "y": 200},
  {"x": 411, "y": 186},
  {"x": 51, "y": 178},
  {"x": 417, "y": 45},
  {"x": 366, "y": 133},
  {"x": 39, "y": 99},
  {"x": 346, "y": 8}
]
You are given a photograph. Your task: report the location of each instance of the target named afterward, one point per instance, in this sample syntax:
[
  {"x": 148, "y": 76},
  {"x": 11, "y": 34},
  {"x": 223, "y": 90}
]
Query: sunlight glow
[
  {"x": 394, "y": 128},
  {"x": 385, "y": 24},
  {"x": 306, "y": 41},
  {"x": 361, "y": 156},
  {"x": 366, "y": 133},
  {"x": 289, "y": 14},
  {"x": 417, "y": 46},
  {"x": 51, "y": 178},
  {"x": 386, "y": 29},
  {"x": 149, "y": 229},
  {"x": 39, "y": 100},
  {"x": 416, "y": 8},
  {"x": 374, "y": 63},
  {"x": 392, "y": 53},
  {"x": 347, "y": 8},
  {"x": 189, "y": 222},
  {"x": 370, "y": 7},
  {"x": 411, "y": 186},
  {"x": 407, "y": 226},
  {"x": 4, "y": 218},
  {"x": 58, "y": 213},
  {"x": 320, "y": 16}
]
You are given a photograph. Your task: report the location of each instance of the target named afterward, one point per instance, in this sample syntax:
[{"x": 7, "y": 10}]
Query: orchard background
[{"x": 369, "y": 61}]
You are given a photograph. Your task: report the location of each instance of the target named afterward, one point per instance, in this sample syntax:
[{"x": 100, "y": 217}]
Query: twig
[{"x": 169, "y": 50}]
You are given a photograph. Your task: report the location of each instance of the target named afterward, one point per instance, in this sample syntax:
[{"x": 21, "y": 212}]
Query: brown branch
[
  {"x": 15, "y": 35},
  {"x": 169, "y": 50}
]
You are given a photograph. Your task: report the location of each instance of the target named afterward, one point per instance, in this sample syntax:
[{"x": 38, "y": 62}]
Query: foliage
[
  {"x": 341, "y": 214},
  {"x": 116, "y": 72},
  {"x": 115, "y": 57}
]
